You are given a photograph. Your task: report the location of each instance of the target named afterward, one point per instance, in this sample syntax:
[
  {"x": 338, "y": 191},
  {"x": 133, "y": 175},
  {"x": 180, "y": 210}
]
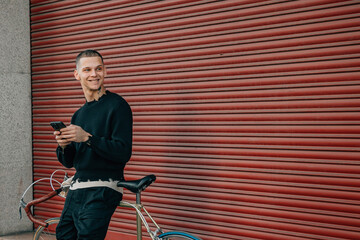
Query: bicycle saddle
[{"x": 137, "y": 186}]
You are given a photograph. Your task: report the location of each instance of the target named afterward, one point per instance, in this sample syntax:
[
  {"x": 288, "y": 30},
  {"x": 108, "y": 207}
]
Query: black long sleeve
[
  {"x": 66, "y": 156},
  {"x": 109, "y": 121}
]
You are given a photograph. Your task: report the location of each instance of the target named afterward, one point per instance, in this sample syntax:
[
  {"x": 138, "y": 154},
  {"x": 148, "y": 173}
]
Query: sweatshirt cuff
[{"x": 61, "y": 149}]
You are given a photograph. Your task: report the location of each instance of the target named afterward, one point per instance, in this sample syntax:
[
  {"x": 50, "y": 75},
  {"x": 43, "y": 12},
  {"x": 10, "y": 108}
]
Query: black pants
[{"x": 87, "y": 213}]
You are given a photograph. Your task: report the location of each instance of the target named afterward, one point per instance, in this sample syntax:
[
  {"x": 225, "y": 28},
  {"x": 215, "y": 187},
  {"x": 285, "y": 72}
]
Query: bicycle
[{"x": 46, "y": 229}]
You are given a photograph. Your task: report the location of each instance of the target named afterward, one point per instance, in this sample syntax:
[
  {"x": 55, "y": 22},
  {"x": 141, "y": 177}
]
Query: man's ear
[
  {"x": 76, "y": 75},
  {"x": 105, "y": 72}
]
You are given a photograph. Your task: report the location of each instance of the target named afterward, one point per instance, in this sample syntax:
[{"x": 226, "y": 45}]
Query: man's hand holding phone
[
  {"x": 59, "y": 128},
  {"x": 65, "y": 135}
]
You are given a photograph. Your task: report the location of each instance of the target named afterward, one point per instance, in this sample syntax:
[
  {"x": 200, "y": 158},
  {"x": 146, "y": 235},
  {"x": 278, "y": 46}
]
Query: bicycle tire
[
  {"x": 177, "y": 236},
  {"x": 48, "y": 233}
]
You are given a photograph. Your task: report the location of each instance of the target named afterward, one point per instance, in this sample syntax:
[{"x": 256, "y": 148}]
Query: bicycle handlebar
[{"x": 36, "y": 201}]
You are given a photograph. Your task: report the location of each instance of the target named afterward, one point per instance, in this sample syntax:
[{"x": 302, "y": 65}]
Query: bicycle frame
[
  {"x": 135, "y": 186},
  {"x": 140, "y": 218}
]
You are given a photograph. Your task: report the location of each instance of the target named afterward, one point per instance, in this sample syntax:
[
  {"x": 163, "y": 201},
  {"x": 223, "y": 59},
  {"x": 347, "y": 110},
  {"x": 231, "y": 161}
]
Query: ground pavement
[{"x": 18, "y": 236}]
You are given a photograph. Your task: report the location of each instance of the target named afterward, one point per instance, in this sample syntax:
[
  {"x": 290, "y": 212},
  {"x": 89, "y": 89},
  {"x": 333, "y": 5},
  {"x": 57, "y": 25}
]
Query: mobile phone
[{"x": 58, "y": 125}]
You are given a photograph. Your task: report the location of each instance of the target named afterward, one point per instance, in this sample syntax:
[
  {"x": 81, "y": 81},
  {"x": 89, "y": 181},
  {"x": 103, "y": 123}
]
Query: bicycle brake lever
[{"x": 21, "y": 205}]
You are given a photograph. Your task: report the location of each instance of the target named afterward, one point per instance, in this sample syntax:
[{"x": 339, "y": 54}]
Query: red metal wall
[{"x": 247, "y": 111}]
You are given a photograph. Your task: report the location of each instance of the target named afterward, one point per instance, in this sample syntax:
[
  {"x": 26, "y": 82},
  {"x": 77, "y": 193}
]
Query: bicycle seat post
[
  {"x": 138, "y": 219},
  {"x": 137, "y": 186}
]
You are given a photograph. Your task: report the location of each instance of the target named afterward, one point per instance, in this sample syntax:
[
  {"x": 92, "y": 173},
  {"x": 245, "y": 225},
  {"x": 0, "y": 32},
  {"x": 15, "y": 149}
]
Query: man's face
[{"x": 91, "y": 73}]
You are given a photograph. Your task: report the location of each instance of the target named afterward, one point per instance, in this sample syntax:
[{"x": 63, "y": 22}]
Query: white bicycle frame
[{"x": 140, "y": 218}]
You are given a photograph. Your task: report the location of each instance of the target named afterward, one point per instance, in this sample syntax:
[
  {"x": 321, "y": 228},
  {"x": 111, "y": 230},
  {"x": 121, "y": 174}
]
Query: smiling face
[{"x": 91, "y": 72}]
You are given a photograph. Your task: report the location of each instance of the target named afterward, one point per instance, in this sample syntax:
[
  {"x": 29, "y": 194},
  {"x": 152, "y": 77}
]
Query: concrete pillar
[{"x": 15, "y": 113}]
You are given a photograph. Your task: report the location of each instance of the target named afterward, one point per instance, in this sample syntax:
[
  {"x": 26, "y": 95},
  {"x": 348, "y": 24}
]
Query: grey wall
[{"x": 15, "y": 113}]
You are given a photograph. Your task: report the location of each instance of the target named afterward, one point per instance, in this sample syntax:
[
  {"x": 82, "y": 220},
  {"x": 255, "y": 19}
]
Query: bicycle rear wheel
[
  {"x": 48, "y": 233},
  {"x": 177, "y": 236}
]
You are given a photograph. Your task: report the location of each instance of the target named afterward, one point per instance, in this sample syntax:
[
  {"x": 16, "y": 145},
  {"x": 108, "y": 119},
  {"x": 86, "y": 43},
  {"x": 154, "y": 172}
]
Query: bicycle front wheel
[
  {"x": 177, "y": 236},
  {"x": 48, "y": 233}
]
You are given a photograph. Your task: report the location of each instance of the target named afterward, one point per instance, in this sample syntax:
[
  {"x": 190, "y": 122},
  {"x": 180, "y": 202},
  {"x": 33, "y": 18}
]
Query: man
[{"x": 98, "y": 144}]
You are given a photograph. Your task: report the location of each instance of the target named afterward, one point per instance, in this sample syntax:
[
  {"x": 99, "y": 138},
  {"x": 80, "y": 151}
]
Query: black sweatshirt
[{"x": 109, "y": 121}]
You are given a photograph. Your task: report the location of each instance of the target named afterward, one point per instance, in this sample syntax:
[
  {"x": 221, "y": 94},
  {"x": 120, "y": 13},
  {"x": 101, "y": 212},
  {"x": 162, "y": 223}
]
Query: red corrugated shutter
[{"x": 247, "y": 111}]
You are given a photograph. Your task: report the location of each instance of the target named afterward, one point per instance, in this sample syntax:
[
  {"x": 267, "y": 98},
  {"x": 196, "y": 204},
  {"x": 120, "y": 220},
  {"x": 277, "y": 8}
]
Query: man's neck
[{"x": 94, "y": 95}]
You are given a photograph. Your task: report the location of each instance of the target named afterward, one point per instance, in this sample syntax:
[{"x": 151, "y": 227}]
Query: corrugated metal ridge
[
  {"x": 233, "y": 82},
  {"x": 124, "y": 8},
  {"x": 348, "y": 38},
  {"x": 192, "y": 40},
  {"x": 267, "y": 8},
  {"x": 132, "y": 16},
  {"x": 216, "y": 28},
  {"x": 269, "y": 58}
]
